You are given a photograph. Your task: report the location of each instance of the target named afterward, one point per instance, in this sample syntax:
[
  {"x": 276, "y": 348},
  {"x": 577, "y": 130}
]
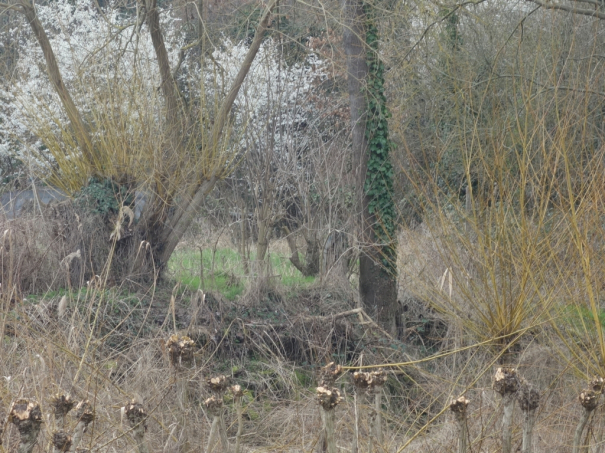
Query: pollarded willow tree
[{"x": 106, "y": 121}]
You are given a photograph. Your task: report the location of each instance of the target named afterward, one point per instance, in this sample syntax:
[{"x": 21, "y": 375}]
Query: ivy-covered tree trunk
[{"x": 371, "y": 146}]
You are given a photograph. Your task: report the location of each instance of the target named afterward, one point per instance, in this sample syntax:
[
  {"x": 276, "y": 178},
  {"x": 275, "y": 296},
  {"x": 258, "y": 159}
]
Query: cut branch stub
[
  {"x": 136, "y": 415},
  {"x": 61, "y": 441},
  {"x": 218, "y": 384},
  {"x": 589, "y": 399},
  {"x": 529, "y": 398},
  {"x": 236, "y": 391},
  {"x": 25, "y": 415},
  {"x": 506, "y": 381},
  {"x": 378, "y": 378},
  {"x": 61, "y": 405},
  {"x": 361, "y": 380},
  {"x": 180, "y": 351},
  {"x": 459, "y": 406},
  {"x": 328, "y": 374},
  {"x": 84, "y": 412},
  {"x": 214, "y": 405},
  {"x": 597, "y": 384},
  {"x": 328, "y": 398}
]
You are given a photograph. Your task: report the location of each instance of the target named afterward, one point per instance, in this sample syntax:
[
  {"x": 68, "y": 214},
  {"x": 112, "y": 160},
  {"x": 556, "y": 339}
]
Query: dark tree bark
[{"x": 377, "y": 286}]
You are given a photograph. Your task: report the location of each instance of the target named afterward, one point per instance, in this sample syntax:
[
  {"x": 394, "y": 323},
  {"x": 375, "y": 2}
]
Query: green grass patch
[
  {"x": 223, "y": 271},
  {"x": 581, "y": 319}
]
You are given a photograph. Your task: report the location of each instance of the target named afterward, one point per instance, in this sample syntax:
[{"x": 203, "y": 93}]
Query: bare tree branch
[
  {"x": 571, "y": 9},
  {"x": 181, "y": 223},
  {"x": 83, "y": 138},
  {"x": 590, "y": 2},
  {"x": 8, "y": 7},
  {"x": 169, "y": 88}
]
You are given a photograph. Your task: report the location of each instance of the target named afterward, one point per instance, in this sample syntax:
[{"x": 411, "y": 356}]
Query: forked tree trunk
[{"x": 311, "y": 266}]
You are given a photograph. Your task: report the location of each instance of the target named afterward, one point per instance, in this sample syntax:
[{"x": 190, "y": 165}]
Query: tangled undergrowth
[{"x": 115, "y": 350}]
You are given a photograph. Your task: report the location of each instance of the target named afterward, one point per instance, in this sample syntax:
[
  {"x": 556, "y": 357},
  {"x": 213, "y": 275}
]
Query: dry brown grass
[
  {"x": 109, "y": 351},
  {"x": 46, "y": 355}
]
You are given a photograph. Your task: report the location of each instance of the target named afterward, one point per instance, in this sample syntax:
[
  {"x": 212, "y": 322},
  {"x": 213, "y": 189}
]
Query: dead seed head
[
  {"x": 597, "y": 384},
  {"x": 85, "y": 412},
  {"x": 136, "y": 415},
  {"x": 180, "y": 350},
  {"x": 218, "y": 384},
  {"x": 62, "y": 441},
  {"x": 328, "y": 398},
  {"x": 529, "y": 398},
  {"x": 214, "y": 405},
  {"x": 25, "y": 415},
  {"x": 589, "y": 399},
  {"x": 236, "y": 391},
  {"x": 61, "y": 404},
  {"x": 329, "y": 373},
  {"x": 506, "y": 381}
]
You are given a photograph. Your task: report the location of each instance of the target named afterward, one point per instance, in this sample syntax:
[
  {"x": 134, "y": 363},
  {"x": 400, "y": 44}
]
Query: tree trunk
[
  {"x": 311, "y": 266},
  {"x": 377, "y": 286}
]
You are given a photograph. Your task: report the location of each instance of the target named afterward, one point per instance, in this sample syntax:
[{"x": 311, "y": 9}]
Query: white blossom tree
[{"x": 105, "y": 118}]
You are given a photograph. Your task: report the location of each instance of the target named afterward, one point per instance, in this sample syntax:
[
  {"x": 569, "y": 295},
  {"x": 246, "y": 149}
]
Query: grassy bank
[{"x": 224, "y": 271}]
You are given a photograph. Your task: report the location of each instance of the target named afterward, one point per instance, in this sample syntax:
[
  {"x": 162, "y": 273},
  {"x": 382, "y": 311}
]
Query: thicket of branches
[{"x": 497, "y": 125}]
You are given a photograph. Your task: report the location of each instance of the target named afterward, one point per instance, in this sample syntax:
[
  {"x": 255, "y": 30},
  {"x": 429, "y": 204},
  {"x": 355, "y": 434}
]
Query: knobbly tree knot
[
  {"x": 506, "y": 381},
  {"x": 597, "y": 384},
  {"x": 364, "y": 380},
  {"x": 529, "y": 398},
  {"x": 236, "y": 391},
  {"x": 328, "y": 398},
  {"x": 62, "y": 441},
  {"x": 589, "y": 399},
  {"x": 25, "y": 415},
  {"x": 218, "y": 384},
  {"x": 84, "y": 412},
  {"x": 61, "y": 404},
  {"x": 180, "y": 351},
  {"x": 136, "y": 415},
  {"x": 328, "y": 374},
  {"x": 459, "y": 406},
  {"x": 214, "y": 405}
]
